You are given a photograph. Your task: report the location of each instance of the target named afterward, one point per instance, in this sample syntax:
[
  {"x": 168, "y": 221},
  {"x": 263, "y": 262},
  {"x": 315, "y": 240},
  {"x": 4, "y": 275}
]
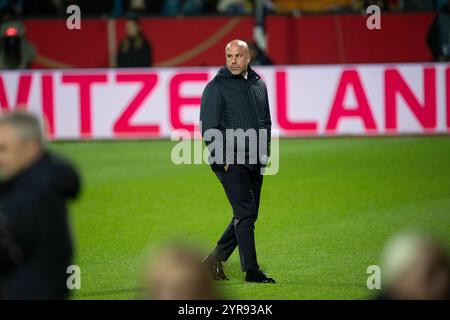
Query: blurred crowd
[{"x": 119, "y": 8}]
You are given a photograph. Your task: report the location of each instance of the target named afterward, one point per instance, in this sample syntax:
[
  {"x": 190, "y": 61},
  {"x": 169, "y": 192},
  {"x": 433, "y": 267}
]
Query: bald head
[
  {"x": 237, "y": 56},
  {"x": 237, "y": 43}
]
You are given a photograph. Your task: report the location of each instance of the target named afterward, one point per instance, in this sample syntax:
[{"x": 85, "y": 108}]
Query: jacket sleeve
[
  {"x": 268, "y": 125},
  {"x": 210, "y": 115},
  {"x": 211, "y": 108},
  {"x": 66, "y": 179}
]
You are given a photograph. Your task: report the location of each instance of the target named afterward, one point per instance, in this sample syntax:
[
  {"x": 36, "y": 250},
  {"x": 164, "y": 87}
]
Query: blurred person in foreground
[
  {"x": 134, "y": 50},
  {"x": 34, "y": 190},
  {"x": 415, "y": 267},
  {"x": 177, "y": 273}
]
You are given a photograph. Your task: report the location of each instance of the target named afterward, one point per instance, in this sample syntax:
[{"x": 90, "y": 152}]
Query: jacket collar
[
  {"x": 11, "y": 181},
  {"x": 224, "y": 72}
]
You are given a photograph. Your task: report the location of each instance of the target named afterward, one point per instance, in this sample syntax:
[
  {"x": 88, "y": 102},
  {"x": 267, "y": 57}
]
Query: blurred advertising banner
[{"x": 373, "y": 99}]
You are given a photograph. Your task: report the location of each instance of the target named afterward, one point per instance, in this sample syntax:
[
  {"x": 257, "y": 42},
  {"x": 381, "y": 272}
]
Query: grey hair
[{"x": 26, "y": 125}]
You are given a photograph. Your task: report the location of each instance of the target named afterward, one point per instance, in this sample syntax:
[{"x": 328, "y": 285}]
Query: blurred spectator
[
  {"x": 33, "y": 198},
  {"x": 148, "y": 6},
  {"x": 439, "y": 4},
  {"x": 16, "y": 52},
  {"x": 13, "y": 7},
  {"x": 257, "y": 56},
  {"x": 296, "y": 6},
  {"x": 138, "y": 6},
  {"x": 415, "y": 267},
  {"x": 59, "y": 7},
  {"x": 210, "y": 6},
  {"x": 418, "y": 5},
  {"x": 385, "y": 5},
  {"x": 234, "y": 7},
  {"x": 134, "y": 50},
  {"x": 438, "y": 38},
  {"x": 179, "y": 7},
  {"x": 91, "y": 8},
  {"x": 117, "y": 8},
  {"x": 177, "y": 273},
  {"x": 44, "y": 8}
]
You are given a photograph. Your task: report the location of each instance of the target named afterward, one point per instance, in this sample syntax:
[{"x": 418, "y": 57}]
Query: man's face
[
  {"x": 237, "y": 59},
  {"x": 132, "y": 28},
  {"x": 15, "y": 154}
]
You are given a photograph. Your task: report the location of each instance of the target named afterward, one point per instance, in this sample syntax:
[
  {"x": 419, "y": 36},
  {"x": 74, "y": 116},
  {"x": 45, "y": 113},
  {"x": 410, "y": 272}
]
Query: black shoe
[
  {"x": 258, "y": 276},
  {"x": 216, "y": 268}
]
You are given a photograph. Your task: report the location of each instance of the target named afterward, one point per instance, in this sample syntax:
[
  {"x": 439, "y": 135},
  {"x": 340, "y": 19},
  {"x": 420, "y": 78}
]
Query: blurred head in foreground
[
  {"x": 21, "y": 142},
  {"x": 177, "y": 273},
  {"x": 415, "y": 266}
]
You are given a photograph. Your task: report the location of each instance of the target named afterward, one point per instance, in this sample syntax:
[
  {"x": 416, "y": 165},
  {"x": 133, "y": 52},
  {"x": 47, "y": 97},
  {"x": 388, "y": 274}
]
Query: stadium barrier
[
  {"x": 200, "y": 41},
  {"x": 305, "y": 100}
]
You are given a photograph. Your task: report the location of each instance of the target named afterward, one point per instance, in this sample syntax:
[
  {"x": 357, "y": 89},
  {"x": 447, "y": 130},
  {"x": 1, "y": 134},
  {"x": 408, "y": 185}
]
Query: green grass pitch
[{"x": 324, "y": 218}]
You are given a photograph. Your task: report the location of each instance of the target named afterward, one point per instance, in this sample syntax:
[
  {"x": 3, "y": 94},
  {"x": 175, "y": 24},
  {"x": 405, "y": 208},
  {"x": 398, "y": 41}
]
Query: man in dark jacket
[
  {"x": 33, "y": 194},
  {"x": 235, "y": 105}
]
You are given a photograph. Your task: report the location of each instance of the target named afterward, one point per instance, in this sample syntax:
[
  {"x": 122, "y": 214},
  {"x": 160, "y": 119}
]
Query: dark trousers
[{"x": 243, "y": 189}]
